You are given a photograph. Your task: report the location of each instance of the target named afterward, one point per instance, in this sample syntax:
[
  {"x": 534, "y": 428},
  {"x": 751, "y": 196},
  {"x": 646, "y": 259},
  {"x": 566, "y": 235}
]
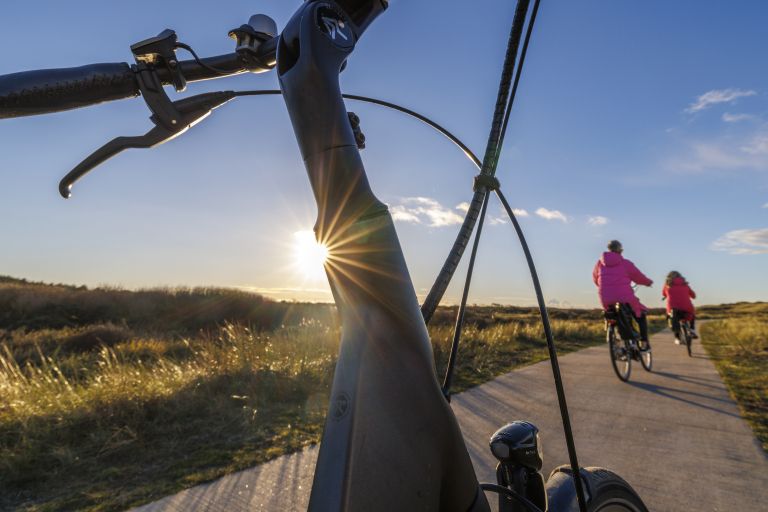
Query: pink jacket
[
  {"x": 679, "y": 296},
  {"x": 613, "y": 275}
]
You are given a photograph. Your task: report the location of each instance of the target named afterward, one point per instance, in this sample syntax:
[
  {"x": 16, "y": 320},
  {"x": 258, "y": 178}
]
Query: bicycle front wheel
[
  {"x": 608, "y": 492},
  {"x": 621, "y": 359}
]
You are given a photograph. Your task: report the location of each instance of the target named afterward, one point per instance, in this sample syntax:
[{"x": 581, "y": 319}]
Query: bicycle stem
[{"x": 390, "y": 441}]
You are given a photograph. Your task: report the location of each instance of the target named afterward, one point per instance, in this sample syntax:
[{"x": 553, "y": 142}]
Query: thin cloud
[
  {"x": 743, "y": 241},
  {"x": 544, "y": 213},
  {"x": 501, "y": 219},
  {"x": 425, "y": 210},
  {"x": 495, "y": 221},
  {"x": 400, "y": 213},
  {"x": 765, "y": 205},
  {"x": 724, "y": 154},
  {"x": 716, "y": 96},
  {"x": 735, "y": 118},
  {"x": 597, "y": 220}
]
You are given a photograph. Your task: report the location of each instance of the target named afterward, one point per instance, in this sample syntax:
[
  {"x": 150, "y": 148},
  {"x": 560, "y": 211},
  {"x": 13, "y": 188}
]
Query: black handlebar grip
[{"x": 53, "y": 90}]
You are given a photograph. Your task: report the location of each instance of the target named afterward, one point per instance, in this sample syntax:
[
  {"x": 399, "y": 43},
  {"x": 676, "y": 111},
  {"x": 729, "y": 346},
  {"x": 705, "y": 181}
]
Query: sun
[{"x": 309, "y": 255}]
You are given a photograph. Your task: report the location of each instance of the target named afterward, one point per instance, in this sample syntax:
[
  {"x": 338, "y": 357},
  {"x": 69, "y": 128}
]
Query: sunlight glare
[{"x": 309, "y": 255}]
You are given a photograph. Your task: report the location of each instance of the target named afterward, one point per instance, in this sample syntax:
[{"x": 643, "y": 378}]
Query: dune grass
[
  {"x": 102, "y": 409},
  {"x": 136, "y": 418},
  {"x": 739, "y": 349}
]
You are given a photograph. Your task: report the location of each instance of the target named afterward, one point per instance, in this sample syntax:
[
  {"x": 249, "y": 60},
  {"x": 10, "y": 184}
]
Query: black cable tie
[{"x": 487, "y": 181}]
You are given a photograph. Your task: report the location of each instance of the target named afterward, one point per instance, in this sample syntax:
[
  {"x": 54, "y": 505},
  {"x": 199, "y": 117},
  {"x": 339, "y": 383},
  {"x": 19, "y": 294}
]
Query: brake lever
[{"x": 191, "y": 111}]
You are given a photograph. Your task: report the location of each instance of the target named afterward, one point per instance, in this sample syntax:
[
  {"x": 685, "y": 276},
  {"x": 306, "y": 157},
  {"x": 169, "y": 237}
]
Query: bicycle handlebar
[
  {"x": 46, "y": 91},
  {"x": 53, "y": 90}
]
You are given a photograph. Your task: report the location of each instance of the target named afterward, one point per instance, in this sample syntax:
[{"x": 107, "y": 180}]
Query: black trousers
[{"x": 642, "y": 322}]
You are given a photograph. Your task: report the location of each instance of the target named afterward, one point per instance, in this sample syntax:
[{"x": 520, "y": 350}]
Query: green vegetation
[
  {"x": 739, "y": 348},
  {"x": 111, "y": 398},
  {"x": 737, "y": 309}
]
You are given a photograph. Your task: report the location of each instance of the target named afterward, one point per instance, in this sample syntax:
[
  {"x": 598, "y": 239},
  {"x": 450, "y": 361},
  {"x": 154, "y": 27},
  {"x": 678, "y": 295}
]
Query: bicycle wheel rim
[
  {"x": 618, "y": 348},
  {"x": 646, "y": 359}
]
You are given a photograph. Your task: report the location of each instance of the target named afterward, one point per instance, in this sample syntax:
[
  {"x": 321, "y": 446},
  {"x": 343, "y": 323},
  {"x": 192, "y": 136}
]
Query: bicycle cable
[
  {"x": 488, "y": 167},
  {"x": 506, "y": 491},
  {"x": 200, "y": 62},
  {"x": 483, "y": 189}
]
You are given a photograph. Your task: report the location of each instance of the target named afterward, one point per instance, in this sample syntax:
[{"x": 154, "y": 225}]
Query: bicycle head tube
[{"x": 391, "y": 441}]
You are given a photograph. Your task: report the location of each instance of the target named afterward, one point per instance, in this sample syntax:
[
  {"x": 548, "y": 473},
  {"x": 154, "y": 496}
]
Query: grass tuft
[{"x": 739, "y": 349}]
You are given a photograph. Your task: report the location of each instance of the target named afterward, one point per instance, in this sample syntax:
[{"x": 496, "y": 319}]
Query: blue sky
[{"x": 646, "y": 122}]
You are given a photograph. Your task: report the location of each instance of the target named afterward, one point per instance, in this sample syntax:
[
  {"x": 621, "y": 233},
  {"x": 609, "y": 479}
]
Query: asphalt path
[{"x": 674, "y": 434}]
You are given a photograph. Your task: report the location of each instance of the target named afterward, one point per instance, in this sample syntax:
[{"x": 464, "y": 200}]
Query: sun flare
[{"x": 309, "y": 255}]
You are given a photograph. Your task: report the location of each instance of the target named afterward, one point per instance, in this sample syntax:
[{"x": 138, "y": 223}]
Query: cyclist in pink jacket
[
  {"x": 678, "y": 293},
  {"x": 613, "y": 275}
]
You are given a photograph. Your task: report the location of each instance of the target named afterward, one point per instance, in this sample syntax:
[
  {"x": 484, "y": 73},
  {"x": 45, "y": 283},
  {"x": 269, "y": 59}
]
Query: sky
[{"x": 645, "y": 122}]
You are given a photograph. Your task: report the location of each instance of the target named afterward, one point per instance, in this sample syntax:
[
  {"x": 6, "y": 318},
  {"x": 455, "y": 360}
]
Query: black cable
[
  {"x": 200, "y": 62},
  {"x": 490, "y": 160},
  {"x": 463, "y": 147},
  {"x": 463, "y": 306},
  {"x": 506, "y": 491},
  {"x": 422, "y": 118},
  {"x": 539, "y": 295},
  {"x": 552, "y": 356},
  {"x": 520, "y": 63}
]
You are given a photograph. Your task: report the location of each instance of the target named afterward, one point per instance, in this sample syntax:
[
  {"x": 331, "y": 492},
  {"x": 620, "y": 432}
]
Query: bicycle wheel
[
  {"x": 646, "y": 358},
  {"x": 687, "y": 339},
  {"x": 608, "y": 492},
  {"x": 621, "y": 359}
]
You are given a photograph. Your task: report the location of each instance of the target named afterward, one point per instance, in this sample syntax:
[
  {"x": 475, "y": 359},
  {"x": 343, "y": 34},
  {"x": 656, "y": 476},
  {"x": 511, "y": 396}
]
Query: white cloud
[
  {"x": 425, "y": 210},
  {"x": 758, "y": 145},
  {"x": 551, "y": 214},
  {"x": 735, "y": 118},
  {"x": 597, "y": 220},
  {"x": 495, "y": 221},
  {"x": 464, "y": 207},
  {"x": 403, "y": 215},
  {"x": 557, "y": 303},
  {"x": 716, "y": 96},
  {"x": 743, "y": 241},
  {"x": 725, "y": 154},
  {"x": 519, "y": 212}
]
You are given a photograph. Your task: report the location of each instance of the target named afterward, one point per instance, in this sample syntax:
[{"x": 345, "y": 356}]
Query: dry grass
[
  {"x": 739, "y": 348},
  {"x": 127, "y": 428},
  {"x": 102, "y": 411}
]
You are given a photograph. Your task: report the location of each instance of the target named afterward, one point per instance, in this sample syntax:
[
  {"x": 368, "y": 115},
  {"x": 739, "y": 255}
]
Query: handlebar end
[{"x": 65, "y": 189}]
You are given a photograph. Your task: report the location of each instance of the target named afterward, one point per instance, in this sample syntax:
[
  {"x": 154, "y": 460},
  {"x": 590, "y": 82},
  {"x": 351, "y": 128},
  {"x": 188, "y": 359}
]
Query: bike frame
[{"x": 390, "y": 439}]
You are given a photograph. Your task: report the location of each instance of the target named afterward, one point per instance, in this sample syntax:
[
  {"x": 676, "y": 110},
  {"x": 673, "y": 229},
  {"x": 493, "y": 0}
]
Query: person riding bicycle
[
  {"x": 679, "y": 294},
  {"x": 613, "y": 275}
]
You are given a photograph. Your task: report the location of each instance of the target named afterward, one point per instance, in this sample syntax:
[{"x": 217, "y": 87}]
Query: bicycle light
[
  {"x": 259, "y": 29},
  {"x": 517, "y": 444}
]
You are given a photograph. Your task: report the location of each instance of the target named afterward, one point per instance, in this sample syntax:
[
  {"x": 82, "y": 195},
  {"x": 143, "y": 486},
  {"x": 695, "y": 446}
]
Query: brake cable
[
  {"x": 493, "y": 184},
  {"x": 484, "y": 183}
]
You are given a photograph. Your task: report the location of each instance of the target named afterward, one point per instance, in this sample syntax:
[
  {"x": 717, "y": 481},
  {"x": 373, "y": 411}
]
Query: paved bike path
[{"x": 675, "y": 435}]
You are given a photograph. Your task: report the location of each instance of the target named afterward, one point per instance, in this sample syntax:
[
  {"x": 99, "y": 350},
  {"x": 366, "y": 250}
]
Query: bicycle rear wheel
[
  {"x": 687, "y": 339},
  {"x": 608, "y": 492},
  {"x": 646, "y": 357},
  {"x": 621, "y": 359}
]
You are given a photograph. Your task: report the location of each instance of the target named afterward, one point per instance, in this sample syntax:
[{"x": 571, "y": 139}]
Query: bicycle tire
[
  {"x": 646, "y": 360},
  {"x": 688, "y": 340},
  {"x": 613, "y": 341},
  {"x": 608, "y": 492}
]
